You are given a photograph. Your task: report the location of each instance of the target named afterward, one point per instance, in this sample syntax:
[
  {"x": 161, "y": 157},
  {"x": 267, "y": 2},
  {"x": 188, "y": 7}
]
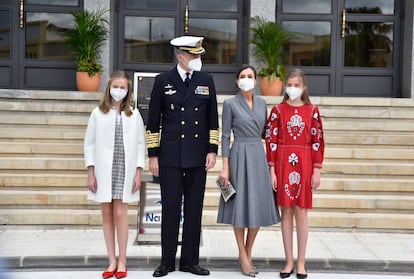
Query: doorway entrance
[
  {"x": 145, "y": 27},
  {"x": 32, "y": 51},
  {"x": 346, "y": 47}
]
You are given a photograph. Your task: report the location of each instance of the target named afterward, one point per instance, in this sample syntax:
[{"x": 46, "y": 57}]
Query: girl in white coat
[{"x": 114, "y": 150}]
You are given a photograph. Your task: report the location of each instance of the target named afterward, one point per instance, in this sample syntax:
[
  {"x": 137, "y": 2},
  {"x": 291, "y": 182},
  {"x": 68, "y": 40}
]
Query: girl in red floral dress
[{"x": 295, "y": 150}]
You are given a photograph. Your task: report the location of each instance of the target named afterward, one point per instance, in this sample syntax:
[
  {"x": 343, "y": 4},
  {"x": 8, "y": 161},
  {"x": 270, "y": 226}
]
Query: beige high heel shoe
[
  {"x": 250, "y": 273},
  {"x": 247, "y": 273}
]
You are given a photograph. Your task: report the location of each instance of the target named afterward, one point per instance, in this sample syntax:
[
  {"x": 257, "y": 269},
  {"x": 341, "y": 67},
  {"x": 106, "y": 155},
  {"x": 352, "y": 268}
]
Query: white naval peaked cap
[{"x": 191, "y": 44}]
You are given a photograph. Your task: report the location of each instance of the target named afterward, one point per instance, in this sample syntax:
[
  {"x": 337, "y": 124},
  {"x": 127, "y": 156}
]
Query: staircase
[{"x": 367, "y": 178}]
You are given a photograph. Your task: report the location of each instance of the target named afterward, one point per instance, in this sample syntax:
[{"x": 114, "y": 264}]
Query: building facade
[{"x": 347, "y": 47}]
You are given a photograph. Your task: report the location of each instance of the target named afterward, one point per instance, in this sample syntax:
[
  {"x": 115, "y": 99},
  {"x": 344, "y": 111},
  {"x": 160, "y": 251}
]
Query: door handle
[
  {"x": 186, "y": 19},
  {"x": 343, "y": 23},
  {"x": 21, "y": 14}
]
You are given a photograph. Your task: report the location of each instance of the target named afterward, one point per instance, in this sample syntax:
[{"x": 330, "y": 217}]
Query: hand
[
  {"x": 92, "y": 186},
  {"x": 273, "y": 181},
  {"x": 224, "y": 177},
  {"x": 153, "y": 166},
  {"x": 316, "y": 179},
  {"x": 210, "y": 160},
  {"x": 273, "y": 178},
  {"x": 136, "y": 183}
]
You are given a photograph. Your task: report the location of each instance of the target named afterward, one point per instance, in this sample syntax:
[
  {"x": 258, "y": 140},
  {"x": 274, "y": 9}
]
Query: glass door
[
  {"x": 146, "y": 27},
  {"x": 368, "y": 59},
  {"x": 8, "y": 15},
  {"x": 31, "y": 44},
  {"x": 346, "y": 47}
]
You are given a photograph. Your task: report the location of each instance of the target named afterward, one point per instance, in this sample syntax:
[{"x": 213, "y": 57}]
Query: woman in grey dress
[{"x": 245, "y": 166}]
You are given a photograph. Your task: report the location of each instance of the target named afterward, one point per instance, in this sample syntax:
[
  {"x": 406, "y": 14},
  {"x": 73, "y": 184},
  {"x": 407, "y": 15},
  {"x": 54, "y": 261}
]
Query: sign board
[
  {"x": 143, "y": 83},
  {"x": 149, "y": 216}
]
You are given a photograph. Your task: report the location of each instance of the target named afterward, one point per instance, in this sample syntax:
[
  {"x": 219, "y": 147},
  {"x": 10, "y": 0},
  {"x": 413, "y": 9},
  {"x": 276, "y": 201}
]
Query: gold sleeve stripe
[
  {"x": 214, "y": 137},
  {"x": 152, "y": 139}
]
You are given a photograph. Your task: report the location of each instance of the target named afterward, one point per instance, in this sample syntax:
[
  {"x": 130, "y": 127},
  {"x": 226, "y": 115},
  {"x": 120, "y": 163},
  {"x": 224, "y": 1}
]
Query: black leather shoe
[
  {"x": 194, "y": 269},
  {"x": 163, "y": 270},
  {"x": 285, "y": 274},
  {"x": 301, "y": 275}
]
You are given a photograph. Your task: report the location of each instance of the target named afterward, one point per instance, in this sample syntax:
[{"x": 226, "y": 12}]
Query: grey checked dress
[
  {"x": 118, "y": 162},
  {"x": 254, "y": 203}
]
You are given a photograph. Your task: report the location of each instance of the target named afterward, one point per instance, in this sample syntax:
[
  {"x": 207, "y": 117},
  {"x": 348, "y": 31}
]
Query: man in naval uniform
[{"x": 182, "y": 140}]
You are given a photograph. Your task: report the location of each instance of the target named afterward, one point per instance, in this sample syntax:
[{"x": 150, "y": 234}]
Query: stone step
[
  {"x": 359, "y": 202},
  {"x": 359, "y": 124},
  {"x": 76, "y": 148},
  {"x": 371, "y": 138},
  {"x": 360, "y": 167},
  {"x": 344, "y": 220},
  {"x": 393, "y": 221},
  {"x": 332, "y": 138},
  {"x": 362, "y": 152},
  {"x": 34, "y": 105},
  {"x": 45, "y": 179},
  {"x": 74, "y": 101},
  {"x": 56, "y": 180},
  {"x": 364, "y": 112},
  {"x": 45, "y": 118},
  {"x": 41, "y": 163},
  {"x": 376, "y": 183},
  {"x": 81, "y": 119},
  {"x": 78, "y": 199},
  {"x": 330, "y": 166},
  {"x": 81, "y": 217},
  {"x": 49, "y": 95},
  {"x": 346, "y": 202},
  {"x": 37, "y": 133},
  {"x": 353, "y": 107},
  {"x": 41, "y": 148}
]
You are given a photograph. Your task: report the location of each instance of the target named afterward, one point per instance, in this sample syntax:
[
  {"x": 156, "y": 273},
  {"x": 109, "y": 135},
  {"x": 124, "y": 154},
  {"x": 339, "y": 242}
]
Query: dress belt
[{"x": 247, "y": 139}]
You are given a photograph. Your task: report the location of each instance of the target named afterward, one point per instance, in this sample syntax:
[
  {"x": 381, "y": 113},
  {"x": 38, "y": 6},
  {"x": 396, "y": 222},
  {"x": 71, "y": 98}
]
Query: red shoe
[
  {"x": 121, "y": 274},
  {"x": 108, "y": 273}
]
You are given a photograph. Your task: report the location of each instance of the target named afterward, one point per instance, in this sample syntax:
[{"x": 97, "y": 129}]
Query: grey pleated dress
[
  {"x": 254, "y": 203},
  {"x": 118, "y": 162}
]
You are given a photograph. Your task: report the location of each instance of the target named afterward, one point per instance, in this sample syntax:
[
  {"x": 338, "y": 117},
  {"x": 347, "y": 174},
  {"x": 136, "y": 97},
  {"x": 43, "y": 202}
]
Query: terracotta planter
[
  {"x": 88, "y": 83},
  {"x": 272, "y": 89}
]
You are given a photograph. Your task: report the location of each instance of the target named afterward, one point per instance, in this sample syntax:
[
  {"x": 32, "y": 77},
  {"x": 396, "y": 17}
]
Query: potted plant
[
  {"x": 85, "y": 39},
  {"x": 268, "y": 40}
]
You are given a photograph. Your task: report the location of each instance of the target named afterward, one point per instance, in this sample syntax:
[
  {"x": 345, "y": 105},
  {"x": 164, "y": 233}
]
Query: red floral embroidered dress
[{"x": 294, "y": 145}]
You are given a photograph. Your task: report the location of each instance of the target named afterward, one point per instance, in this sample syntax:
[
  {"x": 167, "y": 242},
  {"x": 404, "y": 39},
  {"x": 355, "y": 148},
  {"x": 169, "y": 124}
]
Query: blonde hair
[
  {"x": 105, "y": 103},
  {"x": 298, "y": 73}
]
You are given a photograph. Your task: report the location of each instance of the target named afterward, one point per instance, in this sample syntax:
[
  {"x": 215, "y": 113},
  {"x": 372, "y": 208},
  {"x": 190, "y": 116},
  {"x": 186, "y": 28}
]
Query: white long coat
[{"x": 99, "y": 148}]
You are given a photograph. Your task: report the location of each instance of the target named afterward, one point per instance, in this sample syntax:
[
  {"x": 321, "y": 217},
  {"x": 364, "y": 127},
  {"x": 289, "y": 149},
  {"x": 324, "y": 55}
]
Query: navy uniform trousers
[{"x": 176, "y": 182}]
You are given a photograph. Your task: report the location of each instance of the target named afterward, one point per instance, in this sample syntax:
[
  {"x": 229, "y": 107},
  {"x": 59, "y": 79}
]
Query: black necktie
[{"x": 187, "y": 79}]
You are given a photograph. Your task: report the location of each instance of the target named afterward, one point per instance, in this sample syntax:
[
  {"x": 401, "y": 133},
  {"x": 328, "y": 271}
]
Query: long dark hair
[{"x": 105, "y": 103}]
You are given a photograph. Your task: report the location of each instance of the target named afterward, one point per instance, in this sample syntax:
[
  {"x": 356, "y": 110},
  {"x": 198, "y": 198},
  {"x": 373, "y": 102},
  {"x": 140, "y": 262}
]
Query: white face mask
[
  {"x": 246, "y": 84},
  {"x": 293, "y": 92},
  {"x": 118, "y": 93},
  {"x": 195, "y": 64}
]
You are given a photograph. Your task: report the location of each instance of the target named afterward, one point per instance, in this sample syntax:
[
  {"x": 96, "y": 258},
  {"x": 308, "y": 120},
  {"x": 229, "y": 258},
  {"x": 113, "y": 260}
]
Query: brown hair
[
  {"x": 298, "y": 73},
  {"x": 105, "y": 103}
]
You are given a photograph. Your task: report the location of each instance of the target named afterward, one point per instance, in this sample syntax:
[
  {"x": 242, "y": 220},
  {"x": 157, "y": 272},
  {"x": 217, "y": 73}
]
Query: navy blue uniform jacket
[{"x": 182, "y": 122}]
